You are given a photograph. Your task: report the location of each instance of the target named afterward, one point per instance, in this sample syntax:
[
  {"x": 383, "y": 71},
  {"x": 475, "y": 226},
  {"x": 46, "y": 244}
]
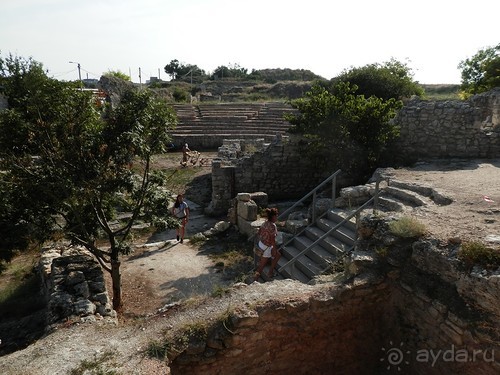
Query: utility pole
[
  {"x": 79, "y": 71},
  {"x": 140, "y": 78}
]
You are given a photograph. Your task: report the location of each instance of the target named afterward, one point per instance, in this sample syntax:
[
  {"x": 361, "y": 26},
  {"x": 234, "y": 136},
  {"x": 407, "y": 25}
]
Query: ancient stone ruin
[
  {"x": 400, "y": 306},
  {"x": 73, "y": 283}
]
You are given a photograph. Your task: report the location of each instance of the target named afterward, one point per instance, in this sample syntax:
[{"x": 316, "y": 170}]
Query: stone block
[
  {"x": 247, "y": 210},
  {"x": 260, "y": 198},
  {"x": 249, "y": 228},
  {"x": 101, "y": 298},
  {"x": 82, "y": 289},
  {"x": 84, "y": 307},
  {"x": 232, "y": 215},
  {"x": 249, "y": 318},
  {"x": 75, "y": 277},
  {"x": 243, "y": 197},
  {"x": 358, "y": 262},
  {"x": 221, "y": 226}
]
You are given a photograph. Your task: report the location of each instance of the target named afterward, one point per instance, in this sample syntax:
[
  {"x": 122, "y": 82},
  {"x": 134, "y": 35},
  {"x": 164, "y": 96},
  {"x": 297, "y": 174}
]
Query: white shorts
[{"x": 266, "y": 249}]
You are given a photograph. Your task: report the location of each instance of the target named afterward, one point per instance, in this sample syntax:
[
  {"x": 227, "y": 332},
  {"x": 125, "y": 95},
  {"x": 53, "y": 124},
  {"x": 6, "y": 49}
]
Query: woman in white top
[{"x": 181, "y": 211}]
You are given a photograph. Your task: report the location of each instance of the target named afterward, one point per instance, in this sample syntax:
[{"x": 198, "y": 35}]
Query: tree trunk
[{"x": 116, "y": 278}]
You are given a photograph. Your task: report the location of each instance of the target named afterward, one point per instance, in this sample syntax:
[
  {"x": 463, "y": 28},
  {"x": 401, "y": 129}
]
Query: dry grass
[
  {"x": 476, "y": 253},
  {"x": 407, "y": 227},
  {"x": 19, "y": 287}
]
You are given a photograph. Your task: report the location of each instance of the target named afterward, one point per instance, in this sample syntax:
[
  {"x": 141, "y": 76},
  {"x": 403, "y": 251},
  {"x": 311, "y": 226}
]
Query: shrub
[
  {"x": 180, "y": 95},
  {"x": 476, "y": 253},
  {"x": 158, "y": 349},
  {"x": 407, "y": 227}
]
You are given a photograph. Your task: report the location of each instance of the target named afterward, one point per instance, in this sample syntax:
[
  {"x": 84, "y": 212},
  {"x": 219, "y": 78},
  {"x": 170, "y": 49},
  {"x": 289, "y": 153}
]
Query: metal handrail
[{"x": 313, "y": 192}]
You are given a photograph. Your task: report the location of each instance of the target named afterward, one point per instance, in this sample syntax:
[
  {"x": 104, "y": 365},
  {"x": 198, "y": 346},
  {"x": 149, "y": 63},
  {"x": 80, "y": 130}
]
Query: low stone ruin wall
[{"x": 74, "y": 286}]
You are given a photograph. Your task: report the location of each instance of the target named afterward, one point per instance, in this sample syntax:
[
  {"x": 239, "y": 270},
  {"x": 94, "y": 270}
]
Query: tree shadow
[
  {"x": 444, "y": 165},
  {"x": 187, "y": 287}
]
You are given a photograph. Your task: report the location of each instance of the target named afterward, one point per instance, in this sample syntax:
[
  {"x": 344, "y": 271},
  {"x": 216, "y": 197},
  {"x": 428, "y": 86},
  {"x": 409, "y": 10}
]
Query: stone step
[
  {"x": 338, "y": 216},
  {"x": 318, "y": 253},
  {"x": 216, "y": 127},
  {"x": 391, "y": 204},
  {"x": 320, "y": 256},
  {"x": 292, "y": 271},
  {"x": 344, "y": 234},
  {"x": 407, "y": 197}
]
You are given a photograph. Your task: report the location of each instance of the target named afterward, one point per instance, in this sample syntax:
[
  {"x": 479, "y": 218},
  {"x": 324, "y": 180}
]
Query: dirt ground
[
  {"x": 474, "y": 186},
  {"x": 162, "y": 271}
]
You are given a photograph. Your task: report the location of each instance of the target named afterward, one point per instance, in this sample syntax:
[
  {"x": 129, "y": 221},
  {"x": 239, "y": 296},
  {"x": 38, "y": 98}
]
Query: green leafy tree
[
  {"x": 344, "y": 129},
  {"x": 117, "y": 74},
  {"x": 481, "y": 72},
  {"x": 275, "y": 75},
  {"x": 185, "y": 72},
  {"x": 392, "y": 79},
  {"x": 68, "y": 169},
  {"x": 231, "y": 71}
]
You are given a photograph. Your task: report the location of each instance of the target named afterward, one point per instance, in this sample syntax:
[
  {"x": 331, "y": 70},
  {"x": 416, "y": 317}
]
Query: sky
[{"x": 324, "y": 36}]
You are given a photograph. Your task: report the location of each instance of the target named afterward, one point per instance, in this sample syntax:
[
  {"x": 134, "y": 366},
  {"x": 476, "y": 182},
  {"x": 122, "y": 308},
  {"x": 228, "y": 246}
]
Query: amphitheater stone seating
[{"x": 205, "y": 126}]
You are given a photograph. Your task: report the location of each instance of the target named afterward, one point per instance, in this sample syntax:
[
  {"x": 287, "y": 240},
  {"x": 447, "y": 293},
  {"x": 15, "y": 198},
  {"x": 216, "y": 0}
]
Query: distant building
[
  {"x": 90, "y": 82},
  {"x": 154, "y": 80}
]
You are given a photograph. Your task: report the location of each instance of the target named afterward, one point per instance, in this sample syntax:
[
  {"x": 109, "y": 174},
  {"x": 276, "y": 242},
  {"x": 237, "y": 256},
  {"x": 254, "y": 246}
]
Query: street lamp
[{"x": 79, "y": 72}]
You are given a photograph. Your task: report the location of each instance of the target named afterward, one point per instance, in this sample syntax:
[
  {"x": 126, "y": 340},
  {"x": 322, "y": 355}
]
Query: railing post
[
  {"x": 314, "y": 208},
  {"x": 334, "y": 190},
  {"x": 375, "y": 198}
]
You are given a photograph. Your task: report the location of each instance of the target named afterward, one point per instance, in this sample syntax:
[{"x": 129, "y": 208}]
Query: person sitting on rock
[{"x": 185, "y": 154}]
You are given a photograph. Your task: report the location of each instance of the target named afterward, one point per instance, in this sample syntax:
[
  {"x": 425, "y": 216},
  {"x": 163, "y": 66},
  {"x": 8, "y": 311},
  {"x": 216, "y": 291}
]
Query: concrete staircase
[
  {"x": 321, "y": 255},
  {"x": 204, "y": 126},
  {"x": 394, "y": 196}
]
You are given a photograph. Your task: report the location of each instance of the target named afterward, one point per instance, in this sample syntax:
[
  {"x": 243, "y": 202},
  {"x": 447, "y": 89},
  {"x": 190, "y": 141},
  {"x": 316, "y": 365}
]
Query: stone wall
[
  {"x": 73, "y": 284},
  {"x": 449, "y": 317},
  {"x": 444, "y": 129},
  {"x": 429, "y": 129},
  {"x": 277, "y": 168},
  {"x": 324, "y": 332}
]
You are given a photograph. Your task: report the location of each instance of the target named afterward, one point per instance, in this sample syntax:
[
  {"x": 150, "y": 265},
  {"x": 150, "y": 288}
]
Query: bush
[
  {"x": 407, "y": 227},
  {"x": 180, "y": 95},
  {"x": 158, "y": 349},
  {"x": 476, "y": 253}
]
